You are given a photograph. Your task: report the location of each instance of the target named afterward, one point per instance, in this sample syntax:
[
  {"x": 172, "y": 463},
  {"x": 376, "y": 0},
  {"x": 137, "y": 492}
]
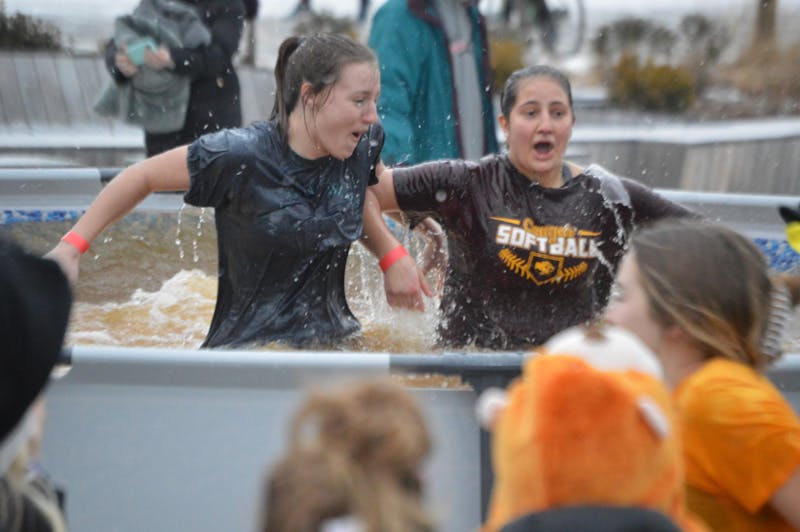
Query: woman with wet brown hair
[{"x": 290, "y": 196}]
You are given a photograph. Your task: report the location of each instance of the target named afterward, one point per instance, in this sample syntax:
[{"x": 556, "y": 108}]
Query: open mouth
[
  {"x": 543, "y": 148},
  {"x": 356, "y": 135}
]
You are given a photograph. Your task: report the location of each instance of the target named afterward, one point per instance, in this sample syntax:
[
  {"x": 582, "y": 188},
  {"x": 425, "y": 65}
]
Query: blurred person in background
[
  {"x": 185, "y": 86},
  {"x": 436, "y": 78}
]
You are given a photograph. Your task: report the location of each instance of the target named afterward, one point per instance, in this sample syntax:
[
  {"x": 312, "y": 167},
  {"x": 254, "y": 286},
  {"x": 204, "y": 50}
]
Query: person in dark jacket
[
  {"x": 214, "y": 100},
  {"x": 248, "y": 55}
]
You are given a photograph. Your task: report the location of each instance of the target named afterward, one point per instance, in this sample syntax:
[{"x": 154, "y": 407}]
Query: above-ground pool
[{"x": 147, "y": 432}]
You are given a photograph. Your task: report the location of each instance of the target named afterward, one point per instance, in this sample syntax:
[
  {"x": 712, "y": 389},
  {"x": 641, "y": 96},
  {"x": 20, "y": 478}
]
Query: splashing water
[
  {"x": 176, "y": 315},
  {"x": 613, "y": 193},
  {"x": 141, "y": 286}
]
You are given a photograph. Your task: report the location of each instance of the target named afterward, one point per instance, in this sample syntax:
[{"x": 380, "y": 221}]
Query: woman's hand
[
  {"x": 405, "y": 285},
  {"x": 159, "y": 59},
  {"x": 434, "y": 256},
  {"x": 69, "y": 258},
  {"x": 124, "y": 64}
]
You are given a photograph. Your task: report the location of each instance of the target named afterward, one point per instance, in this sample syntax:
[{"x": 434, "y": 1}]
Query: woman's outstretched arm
[{"x": 166, "y": 171}]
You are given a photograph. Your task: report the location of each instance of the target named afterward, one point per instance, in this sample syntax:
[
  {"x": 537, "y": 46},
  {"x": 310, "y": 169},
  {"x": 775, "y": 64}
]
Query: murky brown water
[{"x": 151, "y": 281}]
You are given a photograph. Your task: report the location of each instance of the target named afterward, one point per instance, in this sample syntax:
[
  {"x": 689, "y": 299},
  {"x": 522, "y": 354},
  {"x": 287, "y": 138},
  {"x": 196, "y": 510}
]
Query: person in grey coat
[{"x": 214, "y": 96}]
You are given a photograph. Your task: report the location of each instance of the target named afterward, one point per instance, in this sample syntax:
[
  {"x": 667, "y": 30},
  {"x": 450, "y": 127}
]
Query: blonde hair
[
  {"x": 356, "y": 453},
  {"x": 711, "y": 282}
]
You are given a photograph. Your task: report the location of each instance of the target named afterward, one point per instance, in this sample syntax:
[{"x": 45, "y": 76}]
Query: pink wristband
[
  {"x": 393, "y": 256},
  {"x": 77, "y": 241}
]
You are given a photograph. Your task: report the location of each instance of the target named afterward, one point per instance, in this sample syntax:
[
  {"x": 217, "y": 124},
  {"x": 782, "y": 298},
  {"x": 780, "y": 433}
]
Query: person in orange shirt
[
  {"x": 586, "y": 439},
  {"x": 700, "y": 296}
]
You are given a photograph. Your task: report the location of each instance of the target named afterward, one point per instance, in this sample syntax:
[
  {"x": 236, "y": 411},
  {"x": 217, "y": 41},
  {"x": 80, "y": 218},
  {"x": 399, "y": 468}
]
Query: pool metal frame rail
[
  {"x": 485, "y": 371},
  {"x": 118, "y": 417},
  {"x": 71, "y": 187},
  {"x": 108, "y": 373},
  {"x": 479, "y": 370},
  {"x": 153, "y": 367}
]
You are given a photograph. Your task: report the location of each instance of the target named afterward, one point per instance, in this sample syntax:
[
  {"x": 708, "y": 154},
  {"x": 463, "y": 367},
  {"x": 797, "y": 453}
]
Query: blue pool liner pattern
[
  {"x": 780, "y": 254},
  {"x": 10, "y": 217}
]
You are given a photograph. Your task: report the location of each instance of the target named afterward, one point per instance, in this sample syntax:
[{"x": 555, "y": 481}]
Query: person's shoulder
[
  {"x": 257, "y": 138},
  {"x": 723, "y": 372},
  {"x": 491, "y": 164},
  {"x": 723, "y": 389},
  {"x": 600, "y": 173},
  {"x": 238, "y": 142},
  {"x": 614, "y": 188},
  {"x": 597, "y": 172}
]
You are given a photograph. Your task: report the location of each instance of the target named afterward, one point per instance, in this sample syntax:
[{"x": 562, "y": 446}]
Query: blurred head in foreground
[
  {"x": 589, "y": 423},
  {"x": 35, "y": 301},
  {"x": 353, "y": 464}
]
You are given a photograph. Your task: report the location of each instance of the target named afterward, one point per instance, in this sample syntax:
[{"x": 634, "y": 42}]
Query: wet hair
[
  {"x": 317, "y": 59},
  {"x": 710, "y": 281},
  {"x": 354, "y": 453},
  {"x": 508, "y": 98}
]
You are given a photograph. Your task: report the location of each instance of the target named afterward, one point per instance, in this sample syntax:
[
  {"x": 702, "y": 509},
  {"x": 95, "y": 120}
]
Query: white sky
[
  {"x": 82, "y": 20},
  {"x": 275, "y": 8}
]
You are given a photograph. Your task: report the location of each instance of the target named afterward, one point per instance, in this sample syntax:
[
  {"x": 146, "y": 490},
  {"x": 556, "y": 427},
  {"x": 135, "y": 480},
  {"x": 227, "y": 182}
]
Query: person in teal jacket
[{"x": 436, "y": 97}]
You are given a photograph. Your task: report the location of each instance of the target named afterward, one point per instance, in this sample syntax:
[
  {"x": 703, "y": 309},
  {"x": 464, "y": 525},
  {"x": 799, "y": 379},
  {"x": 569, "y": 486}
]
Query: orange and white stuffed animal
[{"x": 589, "y": 422}]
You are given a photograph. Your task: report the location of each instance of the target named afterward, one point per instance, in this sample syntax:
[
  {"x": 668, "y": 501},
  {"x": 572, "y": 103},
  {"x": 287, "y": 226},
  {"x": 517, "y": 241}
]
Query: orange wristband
[
  {"x": 77, "y": 241},
  {"x": 393, "y": 256}
]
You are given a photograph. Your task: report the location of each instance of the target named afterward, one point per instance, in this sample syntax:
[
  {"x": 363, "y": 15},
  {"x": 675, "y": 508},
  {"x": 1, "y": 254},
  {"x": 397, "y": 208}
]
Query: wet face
[
  {"x": 342, "y": 118},
  {"x": 538, "y": 129},
  {"x": 630, "y": 306}
]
